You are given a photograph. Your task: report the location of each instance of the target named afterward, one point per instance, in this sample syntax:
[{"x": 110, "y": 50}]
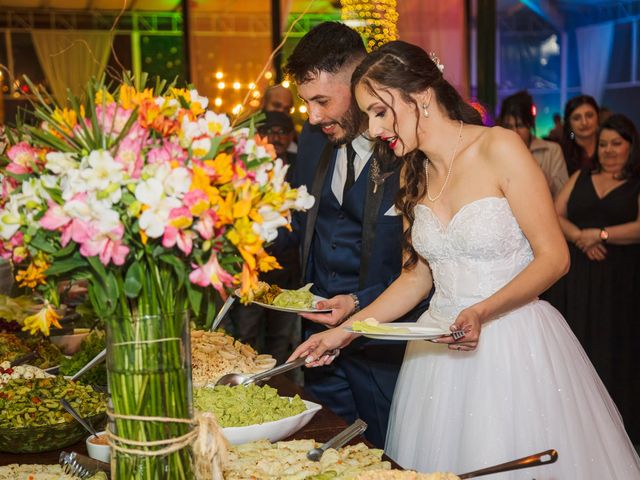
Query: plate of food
[
  {"x": 283, "y": 300},
  {"x": 252, "y": 412},
  {"x": 371, "y": 328}
]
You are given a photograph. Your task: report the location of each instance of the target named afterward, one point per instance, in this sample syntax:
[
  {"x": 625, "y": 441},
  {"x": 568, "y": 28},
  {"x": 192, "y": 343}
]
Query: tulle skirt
[{"x": 527, "y": 388}]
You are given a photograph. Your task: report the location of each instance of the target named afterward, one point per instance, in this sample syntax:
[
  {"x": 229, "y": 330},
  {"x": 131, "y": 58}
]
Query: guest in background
[
  {"x": 579, "y": 134},
  {"x": 604, "y": 114},
  {"x": 280, "y": 99},
  {"x": 277, "y": 99},
  {"x": 600, "y": 296},
  {"x": 517, "y": 114},
  {"x": 271, "y": 331},
  {"x": 555, "y": 135}
]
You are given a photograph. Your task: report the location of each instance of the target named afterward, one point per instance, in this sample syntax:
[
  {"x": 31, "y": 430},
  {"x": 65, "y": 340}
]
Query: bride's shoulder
[{"x": 498, "y": 145}]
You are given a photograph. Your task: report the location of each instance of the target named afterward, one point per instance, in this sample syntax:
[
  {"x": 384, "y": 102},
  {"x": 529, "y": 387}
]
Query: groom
[{"x": 351, "y": 239}]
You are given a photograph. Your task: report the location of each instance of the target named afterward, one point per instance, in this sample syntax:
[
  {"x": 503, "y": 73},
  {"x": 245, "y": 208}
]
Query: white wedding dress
[{"x": 528, "y": 387}]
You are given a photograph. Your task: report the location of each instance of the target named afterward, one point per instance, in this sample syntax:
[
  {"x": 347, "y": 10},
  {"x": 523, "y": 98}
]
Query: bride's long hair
[{"x": 409, "y": 69}]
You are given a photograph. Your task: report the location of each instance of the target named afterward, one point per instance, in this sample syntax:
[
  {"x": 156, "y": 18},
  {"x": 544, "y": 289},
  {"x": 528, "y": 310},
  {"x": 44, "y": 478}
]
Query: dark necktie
[{"x": 351, "y": 170}]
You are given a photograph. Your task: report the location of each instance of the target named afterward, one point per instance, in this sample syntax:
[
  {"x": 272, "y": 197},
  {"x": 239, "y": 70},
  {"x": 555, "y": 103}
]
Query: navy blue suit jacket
[{"x": 386, "y": 256}]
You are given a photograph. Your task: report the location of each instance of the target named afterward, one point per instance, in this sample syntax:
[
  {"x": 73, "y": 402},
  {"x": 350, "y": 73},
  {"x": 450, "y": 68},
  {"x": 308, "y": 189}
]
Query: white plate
[
  {"x": 272, "y": 431},
  {"x": 416, "y": 332},
  {"x": 316, "y": 299}
]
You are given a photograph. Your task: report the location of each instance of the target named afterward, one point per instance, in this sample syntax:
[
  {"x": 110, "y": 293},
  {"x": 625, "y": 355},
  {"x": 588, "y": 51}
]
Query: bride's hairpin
[{"x": 434, "y": 58}]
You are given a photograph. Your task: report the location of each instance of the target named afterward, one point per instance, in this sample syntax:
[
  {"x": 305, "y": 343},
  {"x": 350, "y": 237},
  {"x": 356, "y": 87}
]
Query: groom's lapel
[
  {"x": 372, "y": 202},
  {"x": 316, "y": 191}
]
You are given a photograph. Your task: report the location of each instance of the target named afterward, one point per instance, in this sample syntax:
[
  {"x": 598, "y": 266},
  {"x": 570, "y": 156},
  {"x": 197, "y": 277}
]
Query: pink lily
[
  {"x": 175, "y": 233},
  {"x": 211, "y": 273},
  {"x": 197, "y": 201},
  {"x": 108, "y": 246},
  {"x": 206, "y": 225}
]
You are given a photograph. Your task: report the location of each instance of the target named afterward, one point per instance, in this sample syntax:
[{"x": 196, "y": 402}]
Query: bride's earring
[{"x": 425, "y": 109}]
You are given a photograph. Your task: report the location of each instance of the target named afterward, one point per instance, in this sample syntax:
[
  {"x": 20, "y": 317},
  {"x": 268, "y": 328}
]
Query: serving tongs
[
  {"x": 90, "y": 364},
  {"x": 353, "y": 430},
  {"x": 233, "y": 379},
  {"x": 81, "y": 466},
  {"x": 542, "y": 458},
  {"x": 24, "y": 359}
]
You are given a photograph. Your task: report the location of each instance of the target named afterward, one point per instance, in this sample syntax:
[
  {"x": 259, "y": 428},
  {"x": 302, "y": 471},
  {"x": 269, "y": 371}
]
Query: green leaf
[
  {"x": 40, "y": 242},
  {"x": 70, "y": 248},
  {"x": 66, "y": 265},
  {"x": 195, "y": 297},
  {"x": 133, "y": 280},
  {"x": 178, "y": 267},
  {"x": 215, "y": 147},
  {"x": 55, "y": 194}
]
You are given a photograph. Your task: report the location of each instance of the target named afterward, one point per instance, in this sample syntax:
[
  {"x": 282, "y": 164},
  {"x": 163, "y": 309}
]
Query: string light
[
  {"x": 236, "y": 85},
  {"x": 252, "y": 86},
  {"x": 375, "y": 20},
  {"x": 217, "y": 102},
  {"x": 255, "y": 94},
  {"x": 237, "y": 109},
  {"x": 302, "y": 109},
  {"x": 268, "y": 75},
  {"x": 219, "y": 75},
  {"x": 286, "y": 84},
  {"x": 221, "y": 85}
]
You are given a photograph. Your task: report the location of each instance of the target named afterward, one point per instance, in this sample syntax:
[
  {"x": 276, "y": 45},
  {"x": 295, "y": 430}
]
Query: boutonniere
[{"x": 378, "y": 177}]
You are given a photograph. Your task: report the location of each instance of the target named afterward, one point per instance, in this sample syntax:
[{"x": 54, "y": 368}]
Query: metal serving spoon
[
  {"x": 233, "y": 379},
  {"x": 542, "y": 458},
  {"x": 358, "y": 427},
  {"x": 87, "y": 426}
]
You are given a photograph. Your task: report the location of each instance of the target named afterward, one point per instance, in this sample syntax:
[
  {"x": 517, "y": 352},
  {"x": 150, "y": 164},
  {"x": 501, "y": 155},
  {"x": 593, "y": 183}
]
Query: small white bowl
[
  {"x": 272, "y": 431},
  {"x": 70, "y": 344},
  {"x": 99, "y": 452}
]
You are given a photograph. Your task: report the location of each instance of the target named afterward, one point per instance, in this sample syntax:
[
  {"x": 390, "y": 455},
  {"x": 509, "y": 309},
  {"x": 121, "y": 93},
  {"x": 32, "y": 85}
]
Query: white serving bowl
[
  {"x": 99, "y": 452},
  {"x": 272, "y": 431}
]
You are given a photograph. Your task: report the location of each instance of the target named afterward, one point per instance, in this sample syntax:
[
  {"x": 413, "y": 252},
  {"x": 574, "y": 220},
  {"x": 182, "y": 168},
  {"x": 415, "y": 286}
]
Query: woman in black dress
[
  {"x": 578, "y": 143},
  {"x": 600, "y": 296}
]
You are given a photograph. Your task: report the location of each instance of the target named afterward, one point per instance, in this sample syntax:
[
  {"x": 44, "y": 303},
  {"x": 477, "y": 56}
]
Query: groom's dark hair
[{"x": 327, "y": 47}]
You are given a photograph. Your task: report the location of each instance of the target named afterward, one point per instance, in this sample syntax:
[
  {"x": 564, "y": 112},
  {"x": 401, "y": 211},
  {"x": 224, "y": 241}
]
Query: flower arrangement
[
  {"x": 93, "y": 189},
  {"x": 155, "y": 202}
]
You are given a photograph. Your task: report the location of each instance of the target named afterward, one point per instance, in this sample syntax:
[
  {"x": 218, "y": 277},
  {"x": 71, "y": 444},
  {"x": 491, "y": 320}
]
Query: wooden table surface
[{"x": 324, "y": 425}]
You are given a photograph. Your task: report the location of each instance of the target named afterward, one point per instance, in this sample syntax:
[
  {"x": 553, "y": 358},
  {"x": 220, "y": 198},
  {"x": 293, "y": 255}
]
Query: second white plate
[{"x": 416, "y": 332}]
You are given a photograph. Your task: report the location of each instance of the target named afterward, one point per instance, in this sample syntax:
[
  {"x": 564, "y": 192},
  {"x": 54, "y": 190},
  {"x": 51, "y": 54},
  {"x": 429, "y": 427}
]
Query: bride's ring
[{"x": 333, "y": 353}]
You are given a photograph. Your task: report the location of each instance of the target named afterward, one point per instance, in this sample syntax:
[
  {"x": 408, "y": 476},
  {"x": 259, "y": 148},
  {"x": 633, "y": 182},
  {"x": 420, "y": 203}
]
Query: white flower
[
  {"x": 304, "y": 201},
  {"x": 155, "y": 218},
  {"x": 58, "y": 162},
  {"x": 196, "y": 98},
  {"x": 10, "y": 220},
  {"x": 214, "y": 123},
  {"x": 190, "y": 131},
  {"x": 102, "y": 170},
  {"x": 178, "y": 182},
  {"x": 279, "y": 174},
  {"x": 72, "y": 183},
  {"x": 201, "y": 147},
  {"x": 271, "y": 221}
]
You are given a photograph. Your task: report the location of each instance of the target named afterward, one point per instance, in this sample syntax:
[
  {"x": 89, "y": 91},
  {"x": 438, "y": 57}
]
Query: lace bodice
[{"x": 477, "y": 253}]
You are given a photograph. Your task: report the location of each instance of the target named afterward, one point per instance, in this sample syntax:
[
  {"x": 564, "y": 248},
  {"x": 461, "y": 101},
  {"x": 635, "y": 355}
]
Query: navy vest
[{"x": 334, "y": 262}]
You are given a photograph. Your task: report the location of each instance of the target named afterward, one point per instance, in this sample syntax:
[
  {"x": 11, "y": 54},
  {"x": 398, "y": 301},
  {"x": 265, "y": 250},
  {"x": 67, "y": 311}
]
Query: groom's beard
[{"x": 351, "y": 125}]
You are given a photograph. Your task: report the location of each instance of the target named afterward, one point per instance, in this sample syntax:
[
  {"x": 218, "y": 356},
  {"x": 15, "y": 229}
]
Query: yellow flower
[
  {"x": 201, "y": 181},
  {"x": 66, "y": 119},
  {"x": 42, "y": 321},
  {"x": 103, "y": 97},
  {"x": 223, "y": 167},
  {"x": 34, "y": 273},
  {"x": 248, "y": 243},
  {"x": 129, "y": 97},
  {"x": 267, "y": 262}
]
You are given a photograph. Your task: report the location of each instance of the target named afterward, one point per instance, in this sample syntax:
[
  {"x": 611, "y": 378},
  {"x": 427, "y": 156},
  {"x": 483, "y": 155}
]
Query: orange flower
[
  {"x": 130, "y": 98},
  {"x": 33, "y": 275}
]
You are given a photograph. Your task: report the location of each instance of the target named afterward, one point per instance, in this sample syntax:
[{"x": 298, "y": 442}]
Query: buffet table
[{"x": 324, "y": 425}]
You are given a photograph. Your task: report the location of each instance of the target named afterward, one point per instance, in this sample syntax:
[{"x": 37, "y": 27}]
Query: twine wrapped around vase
[{"x": 209, "y": 446}]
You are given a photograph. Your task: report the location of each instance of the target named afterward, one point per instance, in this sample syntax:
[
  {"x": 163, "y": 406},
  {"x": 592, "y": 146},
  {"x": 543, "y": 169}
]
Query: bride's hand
[
  {"x": 322, "y": 348},
  {"x": 469, "y": 322}
]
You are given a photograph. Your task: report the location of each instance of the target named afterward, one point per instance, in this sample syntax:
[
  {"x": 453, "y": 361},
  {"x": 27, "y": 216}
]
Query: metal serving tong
[
  {"x": 353, "y": 430},
  {"x": 92, "y": 363},
  {"x": 233, "y": 379},
  {"x": 542, "y": 458},
  {"x": 81, "y": 466}
]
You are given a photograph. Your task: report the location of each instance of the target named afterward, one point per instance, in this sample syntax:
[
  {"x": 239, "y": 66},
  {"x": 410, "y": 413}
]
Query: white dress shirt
[{"x": 363, "y": 148}]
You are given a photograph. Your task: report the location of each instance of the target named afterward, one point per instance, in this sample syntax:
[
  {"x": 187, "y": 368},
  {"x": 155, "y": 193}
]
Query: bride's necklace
[{"x": 453, "y": 156}]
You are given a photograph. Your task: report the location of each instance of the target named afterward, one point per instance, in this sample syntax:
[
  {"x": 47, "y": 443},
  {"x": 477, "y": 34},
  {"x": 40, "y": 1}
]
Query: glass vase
[{"x": 149, "y": 371}]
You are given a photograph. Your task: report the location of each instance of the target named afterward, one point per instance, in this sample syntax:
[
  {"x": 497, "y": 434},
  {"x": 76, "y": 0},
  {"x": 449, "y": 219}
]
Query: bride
[{"x": 481, "y": 228}]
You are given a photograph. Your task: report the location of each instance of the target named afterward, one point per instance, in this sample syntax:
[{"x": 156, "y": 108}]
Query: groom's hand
[{"x": 341, "y": 307}]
